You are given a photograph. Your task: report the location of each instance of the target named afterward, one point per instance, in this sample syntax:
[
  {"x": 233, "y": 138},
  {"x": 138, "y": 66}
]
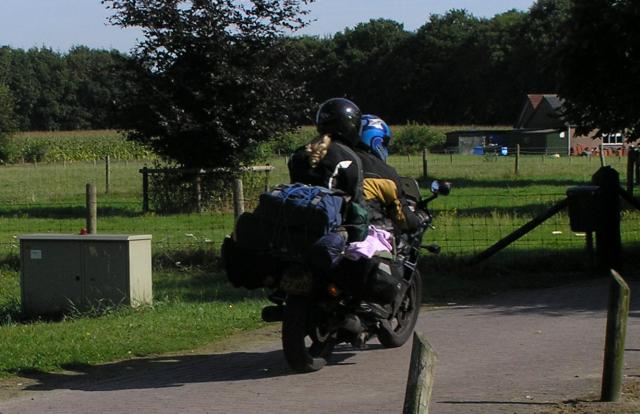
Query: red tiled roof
[{"x": 535, "y": 99}]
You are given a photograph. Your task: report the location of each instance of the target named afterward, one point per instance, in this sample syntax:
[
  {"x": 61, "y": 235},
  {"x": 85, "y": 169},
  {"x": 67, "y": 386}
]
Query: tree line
[
  {"x": 221, "y": 77},
  {"x": 456, "y": 68},
  {"x": 49, "y": 90}
]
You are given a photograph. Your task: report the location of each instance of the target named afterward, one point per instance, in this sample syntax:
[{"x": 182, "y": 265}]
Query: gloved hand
[{"x": 424, "y": 217}]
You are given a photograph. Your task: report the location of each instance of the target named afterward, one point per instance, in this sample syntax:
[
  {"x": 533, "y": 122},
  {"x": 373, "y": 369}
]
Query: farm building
[
  {"x": 547, "y": 141},
  {"x": 538, "y": 129}
]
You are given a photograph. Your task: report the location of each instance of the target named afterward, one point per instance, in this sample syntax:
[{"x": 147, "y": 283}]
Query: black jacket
[{"x": 340, "y": 168}]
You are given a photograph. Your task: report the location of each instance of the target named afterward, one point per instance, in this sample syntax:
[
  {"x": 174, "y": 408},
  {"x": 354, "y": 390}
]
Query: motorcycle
[{"x": 318, "y": 313}]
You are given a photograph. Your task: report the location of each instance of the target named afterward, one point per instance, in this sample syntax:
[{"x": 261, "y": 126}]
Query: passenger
[{"x": 382, "y": 192}]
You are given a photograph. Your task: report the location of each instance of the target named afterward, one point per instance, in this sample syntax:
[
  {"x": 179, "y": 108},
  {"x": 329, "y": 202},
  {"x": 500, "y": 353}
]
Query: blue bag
[
  {"x": 298, "y": 215},
  {"x": 297, "y": 205}
]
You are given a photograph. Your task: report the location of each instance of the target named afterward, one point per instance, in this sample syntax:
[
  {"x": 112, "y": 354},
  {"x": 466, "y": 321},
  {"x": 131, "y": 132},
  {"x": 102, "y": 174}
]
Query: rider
[{"x": 382, "y": 191}]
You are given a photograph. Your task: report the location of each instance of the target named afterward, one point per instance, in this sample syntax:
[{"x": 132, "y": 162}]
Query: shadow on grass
[
  {"x": 64, "y": 212},
  {"x": 200, "y": 286},
  {"x": 172, "y": 371}
]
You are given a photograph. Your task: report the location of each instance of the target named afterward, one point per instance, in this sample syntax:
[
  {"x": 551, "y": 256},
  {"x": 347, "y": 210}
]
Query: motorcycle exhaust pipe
[{"x": 273, "y": 313}]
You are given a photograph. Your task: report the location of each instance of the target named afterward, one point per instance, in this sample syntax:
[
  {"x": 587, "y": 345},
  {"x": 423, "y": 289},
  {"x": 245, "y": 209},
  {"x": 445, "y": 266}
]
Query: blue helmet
[{"x": 376, "y": 136}]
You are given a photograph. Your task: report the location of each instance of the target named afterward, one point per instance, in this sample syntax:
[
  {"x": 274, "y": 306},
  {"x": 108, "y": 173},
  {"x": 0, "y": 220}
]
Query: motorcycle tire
[
  {"x": 398, "y": 328},
  {"x": 299, "y": 328}
]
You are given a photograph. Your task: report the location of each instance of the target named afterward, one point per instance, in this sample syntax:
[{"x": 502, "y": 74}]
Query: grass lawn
[
  {"x": 191, "y": 308},
  {"x": 193, "y": 303}
]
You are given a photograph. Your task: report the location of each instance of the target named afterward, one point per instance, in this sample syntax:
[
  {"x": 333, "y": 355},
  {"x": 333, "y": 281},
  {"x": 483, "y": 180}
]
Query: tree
[
  {"x": 7, "y": 117},
  {"x": 7, "y": 120},
  {"x": 441, "y": 71},
  {"x": 600, "y": 70},
  {"x": 94, "y": 83},
  {"x": 212, "y": 77}
]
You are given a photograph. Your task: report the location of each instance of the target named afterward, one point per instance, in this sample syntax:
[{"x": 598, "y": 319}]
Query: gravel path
[{"x": 518, "y": 352}]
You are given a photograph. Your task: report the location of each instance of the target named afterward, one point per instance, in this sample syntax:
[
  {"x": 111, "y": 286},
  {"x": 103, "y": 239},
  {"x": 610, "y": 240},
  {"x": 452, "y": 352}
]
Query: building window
[{"x": 613, "y": 139}]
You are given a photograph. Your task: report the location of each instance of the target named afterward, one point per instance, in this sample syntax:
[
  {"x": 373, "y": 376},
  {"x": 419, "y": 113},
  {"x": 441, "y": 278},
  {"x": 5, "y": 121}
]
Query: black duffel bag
[
  {"x": 384, "y": 281},
  {"x": 248, "y": 268}
]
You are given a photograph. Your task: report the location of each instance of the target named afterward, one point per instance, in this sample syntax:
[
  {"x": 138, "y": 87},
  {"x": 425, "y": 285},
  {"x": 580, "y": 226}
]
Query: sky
[{"x": 61, "y": 24}]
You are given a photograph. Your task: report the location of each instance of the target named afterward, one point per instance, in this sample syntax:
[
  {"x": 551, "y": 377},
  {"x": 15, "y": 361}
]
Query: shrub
[
  {"x": 287, "y": 143},
  {"x": 412, "y": 138},
  {"x": 176, "y": 190}
]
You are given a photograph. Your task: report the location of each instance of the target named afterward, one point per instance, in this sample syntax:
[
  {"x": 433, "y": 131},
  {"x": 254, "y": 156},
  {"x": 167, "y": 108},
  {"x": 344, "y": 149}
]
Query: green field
[
  {"x": 487, "y": 202},
  {"x": 194, "y": 304}
]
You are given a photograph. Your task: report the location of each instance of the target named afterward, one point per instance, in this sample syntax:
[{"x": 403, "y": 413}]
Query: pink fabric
[{"x": 377, "y": 240}]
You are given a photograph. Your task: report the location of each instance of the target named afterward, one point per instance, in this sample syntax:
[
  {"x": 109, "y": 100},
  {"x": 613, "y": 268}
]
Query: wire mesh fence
[{"x": 487, "y": 202}]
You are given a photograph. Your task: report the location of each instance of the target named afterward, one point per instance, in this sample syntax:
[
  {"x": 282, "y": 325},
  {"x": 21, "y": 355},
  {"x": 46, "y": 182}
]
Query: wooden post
[
  {"x": 92, "y": 209},
  {"x": 421, "y": 375},
  {"x": 107, "y": 173},
  {"x": 608, "y": 240},
  {"x": 636, "y": 163},
  {"x": 517, "y": 159},
  {"x": 451, "y": 158},
  {"x": 425, "y": 167},
  {"x": 267, "y": 172},
  {"x": 145, "y": 189},
  {"x": 602, "y": 162},
  {"x": 589, "y": 237},
  {"x": 631, "y": 168},
  {"x": 614, "y": 343},
  {"x": 238, "y": 198},
  {"x": 197, "y": 188}
]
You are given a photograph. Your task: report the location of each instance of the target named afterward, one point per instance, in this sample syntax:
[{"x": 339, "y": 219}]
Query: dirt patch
[{"x": 629, "y": 403}]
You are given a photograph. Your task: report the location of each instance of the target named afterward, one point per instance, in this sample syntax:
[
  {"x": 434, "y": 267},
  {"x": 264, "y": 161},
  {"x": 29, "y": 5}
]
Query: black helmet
[{"x": 341, "y": 119}]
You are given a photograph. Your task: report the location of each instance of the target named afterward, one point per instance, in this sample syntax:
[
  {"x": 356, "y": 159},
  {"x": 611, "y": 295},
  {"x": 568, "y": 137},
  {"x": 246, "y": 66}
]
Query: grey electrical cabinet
[{"x": 59, "y": 272}]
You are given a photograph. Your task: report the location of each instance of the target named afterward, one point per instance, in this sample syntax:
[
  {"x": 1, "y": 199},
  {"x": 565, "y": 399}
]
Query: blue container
[
  {"x": 479, "y": 150},
  {"x": 504, "y": 151}
]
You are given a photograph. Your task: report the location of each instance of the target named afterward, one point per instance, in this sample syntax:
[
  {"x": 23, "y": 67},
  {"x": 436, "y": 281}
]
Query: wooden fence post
[
  {"x": 92, "y": 209},
  {"x": 636, "y": 162},
  {"x": 631, "y": 168},
  {"x": 267, "y": 172},
  {"x": 517, "y": 159},
  {"x": 107, "y": 173},
  {"x": 425, "y": 168},
  {"x": 238, "y": 198},
  {"x": 421, "y": 375},
  {"x": 608, "y": 239},
  {"x": 145, "y": 189},
  {"x": 197, "y": 188},
  {"x": 614, "y": 343}
]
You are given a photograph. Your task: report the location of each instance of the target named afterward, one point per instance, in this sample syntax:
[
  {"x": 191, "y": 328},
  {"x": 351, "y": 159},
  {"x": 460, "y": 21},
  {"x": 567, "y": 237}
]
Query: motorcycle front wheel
[
  {"x": 398, "y": 328},
  {"x": 305, "y": 342}
]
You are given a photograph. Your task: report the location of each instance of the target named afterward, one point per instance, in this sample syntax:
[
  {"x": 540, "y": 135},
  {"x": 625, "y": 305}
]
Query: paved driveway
[{"x": 518, "y": 352}]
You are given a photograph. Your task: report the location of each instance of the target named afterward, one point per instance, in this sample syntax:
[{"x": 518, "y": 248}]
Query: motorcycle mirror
[
  {"x": 440, "y": 187},
  {"x": 445, "y": 188}
]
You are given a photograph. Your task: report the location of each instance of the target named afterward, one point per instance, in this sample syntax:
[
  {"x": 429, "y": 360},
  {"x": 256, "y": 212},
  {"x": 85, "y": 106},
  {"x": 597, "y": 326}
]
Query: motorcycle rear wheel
[
  {"x": 299, "y": 329},
  {"x": 397, "y": 329}
]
